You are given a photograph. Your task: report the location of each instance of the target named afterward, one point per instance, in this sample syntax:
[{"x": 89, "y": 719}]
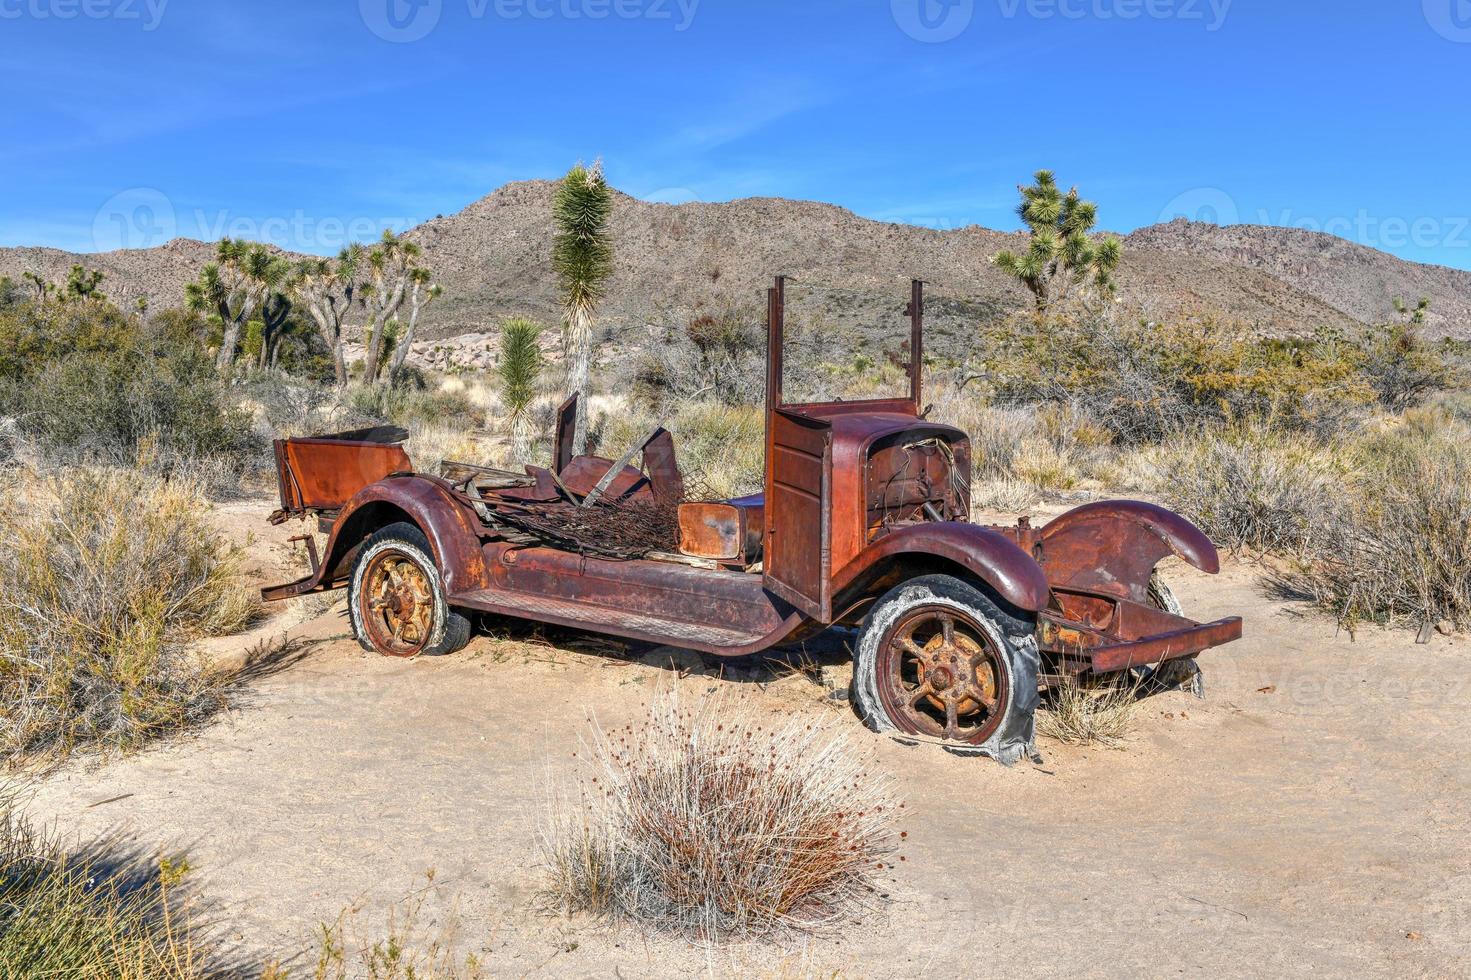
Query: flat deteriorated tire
[
  {"x": 396, "y": 598},
  {"x": 939, "y": 660},
  {"x": 1172, "y": 675}
]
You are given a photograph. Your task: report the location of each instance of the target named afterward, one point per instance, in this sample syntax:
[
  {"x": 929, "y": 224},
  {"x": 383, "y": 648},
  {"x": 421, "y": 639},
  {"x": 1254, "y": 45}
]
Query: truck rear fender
[
  {"x": 1112, "y": 546},
  {"x": 947, "y": 546},
  {"x": 427, "y": 502}
]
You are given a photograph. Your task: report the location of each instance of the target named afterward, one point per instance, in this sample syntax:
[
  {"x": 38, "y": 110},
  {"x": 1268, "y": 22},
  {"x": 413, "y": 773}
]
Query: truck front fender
[
  {"x": 987, "y": 554},
  {"x": 427, "y": 502},
  {"x": 1112, "y": 546}
]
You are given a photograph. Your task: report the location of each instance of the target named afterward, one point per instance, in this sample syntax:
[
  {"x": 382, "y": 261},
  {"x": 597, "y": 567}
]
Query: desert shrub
[
  {"x": 1399, "y": 551},
  {"x": 1144, "y": 381},
  {"x": 110, "y": 574},
  {"x": 413, "y": 402},
  {"x": 1403, "y": 369},
  {"x": 714, "y": 357},
  {"x": 102, "y": 911},
  {"x": 709, "y": 820},
  {"x": 1252, "y": 486},
  {"x": 1003, "y": 495},
  {"x": 720, "y": 448},
  {"x": 84, "y": 381},
  {"x": 429, "y": 445}
]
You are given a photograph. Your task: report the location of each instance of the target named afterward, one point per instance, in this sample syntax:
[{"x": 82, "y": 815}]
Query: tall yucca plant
[
  {"x": 582, "y": 257},
  {"x": 519, "y": 369},
  {"x": 1061, "y": 253}
]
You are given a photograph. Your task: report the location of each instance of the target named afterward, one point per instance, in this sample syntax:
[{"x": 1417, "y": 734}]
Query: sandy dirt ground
[{"x": 1310, "y": 816}]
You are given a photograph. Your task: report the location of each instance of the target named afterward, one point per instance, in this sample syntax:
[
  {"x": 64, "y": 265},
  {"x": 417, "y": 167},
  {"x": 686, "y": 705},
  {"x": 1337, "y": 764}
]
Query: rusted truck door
[{"x": 798, "y": 553}]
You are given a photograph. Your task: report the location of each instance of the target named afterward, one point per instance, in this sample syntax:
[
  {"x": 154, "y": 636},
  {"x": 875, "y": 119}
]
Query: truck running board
[{"x": 619, "y": 622}]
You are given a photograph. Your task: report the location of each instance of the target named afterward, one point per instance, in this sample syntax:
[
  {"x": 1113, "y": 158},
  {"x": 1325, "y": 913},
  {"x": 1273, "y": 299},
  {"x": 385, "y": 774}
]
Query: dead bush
[
  {"x": 708, "y": 819},
  {"x": 109, "y": 576},
  {"x": 1252, "y": 487},
  {"x": 1399, "y": 551}
]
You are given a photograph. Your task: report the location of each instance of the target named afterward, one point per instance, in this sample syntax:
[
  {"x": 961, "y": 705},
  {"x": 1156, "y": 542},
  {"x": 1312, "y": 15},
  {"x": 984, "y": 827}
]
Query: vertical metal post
[
  {"x": 776, "y": 312},
  {"x": 916, "y": 343}
]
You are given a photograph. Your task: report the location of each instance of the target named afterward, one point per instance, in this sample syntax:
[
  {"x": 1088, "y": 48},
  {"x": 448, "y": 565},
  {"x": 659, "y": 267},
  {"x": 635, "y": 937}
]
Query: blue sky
[{"x": 310, "y": 123}]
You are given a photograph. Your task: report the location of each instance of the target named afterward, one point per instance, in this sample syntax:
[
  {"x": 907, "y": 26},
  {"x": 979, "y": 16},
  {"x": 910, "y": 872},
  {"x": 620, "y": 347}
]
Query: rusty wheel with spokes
[
  {"x": 400, "y": 605},
  {"x": 397, "y": 599},
  {"x": 940, "y": 659},
  {"x": 940, "y": 675}
]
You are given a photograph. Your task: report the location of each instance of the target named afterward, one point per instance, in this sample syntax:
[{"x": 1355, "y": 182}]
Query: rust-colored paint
[
  {"x": 720, "y": 531},
  {"x": 445, "y": 516},
  {"x": 324, "y": 474}
]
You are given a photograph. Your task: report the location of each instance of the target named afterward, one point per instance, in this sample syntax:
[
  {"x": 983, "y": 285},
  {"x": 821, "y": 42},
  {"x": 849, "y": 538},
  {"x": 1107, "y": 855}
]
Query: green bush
[
  {"x": 102, "y": 911},
  {"x": 84, "y": 380},
  {"x": 1146, "y": 381}
]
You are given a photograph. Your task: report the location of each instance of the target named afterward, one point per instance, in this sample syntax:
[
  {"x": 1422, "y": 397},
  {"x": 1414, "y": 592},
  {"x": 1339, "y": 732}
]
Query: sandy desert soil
[{"x": 1310, "y": 816}]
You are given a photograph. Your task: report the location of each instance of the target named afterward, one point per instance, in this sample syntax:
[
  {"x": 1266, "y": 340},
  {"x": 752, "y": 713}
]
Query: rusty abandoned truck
[{"x": 864, "y": 522}]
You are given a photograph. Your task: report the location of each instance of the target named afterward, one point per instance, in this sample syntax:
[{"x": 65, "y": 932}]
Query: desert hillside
[{"x": 674, "y": 259}]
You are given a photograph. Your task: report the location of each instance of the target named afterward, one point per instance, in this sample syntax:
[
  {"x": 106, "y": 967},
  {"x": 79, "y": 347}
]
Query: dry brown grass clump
[
  {"x": 104, "y": 911},
  {"x": 1253, "y": 487},
  {"x": 710, "y": 820},
  {"x": 1399, "y": 552},
  {"x": 1077, "y": 714},
  {"x": 109, "y": 575}
]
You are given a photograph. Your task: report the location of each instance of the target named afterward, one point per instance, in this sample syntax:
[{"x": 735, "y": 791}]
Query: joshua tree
[
  {"x": 422, "y": 292},
  {"x": 328, "y": 288},
  {"x": 391, "y": 270},
  {"x": 1061, "y": 253},
  {"x": 519, "y": 369},
  {"x": 244, "y": 278},
  {"x": 1414, "y": 315},
  {"x": 43, "y": 287},
  {"x": 83, "y": 285},
  {"x": 583, "y": 259}
]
